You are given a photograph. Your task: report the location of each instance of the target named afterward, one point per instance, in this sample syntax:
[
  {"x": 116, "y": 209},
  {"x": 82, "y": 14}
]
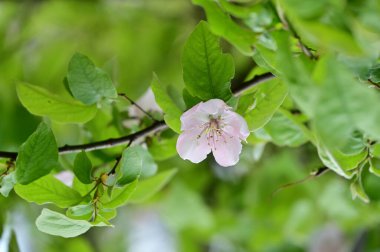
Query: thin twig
[
  {"x": 155, "y": 127},
  {"x": 105, "y": 144},
  {"x": 137, "y": 106},
  {"x": 312, "y": 175},
  {"x": 249, "y": 84},
  {"x": 306, "y": 50}
]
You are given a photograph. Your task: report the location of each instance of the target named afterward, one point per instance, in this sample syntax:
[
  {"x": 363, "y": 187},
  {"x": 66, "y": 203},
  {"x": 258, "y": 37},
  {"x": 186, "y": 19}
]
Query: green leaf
[
  {"x": 136, "y": 161},
  {"x": 88, "y": 83},
  {"x": 267, "y": 59},
  {"x": 375, "y": 150},
  {"x": 7, "y": 183},
  {"x": 120, "y": 196},
  {"x": 357, "y": 191},
  {"x": 37, "y": 156},
  {"x": 222, "y": 25},
  {"x": 54, "y": 223},
  {"x": 41, "y": 102},
  {"x": 355, "y": 144},
  {"x": 148, "y": 187},
  {"x": 48, "y": 189},
  {"x": 284, "y": 129},
  {"x": 207, "y": 72},
  {"x": 190, "y": 100},
  {"x": 149, "y": 167},
  {"x": 328, "y": 37},
  {"x": 163, "y": 148},
  {"x": 323, "y": 31},
  {"x": 103, "y": 217},
  {"x": 374, "y": 74},
  {"x": 307, "y": 9},
  {"x": 107, "y": 214},
  {"x": 83, "y": 189},
  {"x": 266, "y": 100},
  {"x": 374, "y": 167},
  {"x": 130, "y": 165},
  {"x": 347, "y": 105},
  {"x": 343, "y": 165},
  {"x": 296, "y": 74},
  {"x": 83, "y": 167},
  {"x": 80, "y": 212},
  {"x": 171, "y": 110}
]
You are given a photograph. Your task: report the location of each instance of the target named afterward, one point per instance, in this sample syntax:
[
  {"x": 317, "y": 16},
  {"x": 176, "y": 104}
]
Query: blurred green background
[{"x": 205, "y": 207}]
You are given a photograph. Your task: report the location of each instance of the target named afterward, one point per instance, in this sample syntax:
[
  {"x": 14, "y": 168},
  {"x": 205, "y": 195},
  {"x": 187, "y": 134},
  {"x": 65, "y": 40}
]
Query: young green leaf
[
  {"x": 37, "y": 156},
  {"x": 54, "y": 223},
  {"x": 120, "y": 196},
  {"x": 41, "y": 102},
  {"x": 149, "y": 167},
  {"x": 48, "y": 189},
  {"x": 374, "y": 74},
  {"x": 374, "y": 166},
  {"x": 80, "y": 212},
  {"x": 267, "y": 99},
  {"x": 342, "y": 164},
  {"x": 82, "y": 168},
  {"x": 135, "y": 162},
  {"x": 88, "y": 83},
  {"x": 7, "y": 183},
  {"x": 207, "y": 72},
  {"x": 171, "y": 110},
  {"x": 130, "y": 165},
  {"x": 147, "y": 188},
  {"x": 357, "y": 191}
]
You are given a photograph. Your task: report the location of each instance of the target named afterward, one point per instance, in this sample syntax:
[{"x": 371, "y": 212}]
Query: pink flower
[{"x": 212, "y": 126}]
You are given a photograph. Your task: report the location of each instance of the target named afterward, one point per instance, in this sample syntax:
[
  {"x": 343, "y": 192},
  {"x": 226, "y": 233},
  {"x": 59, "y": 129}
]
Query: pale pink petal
[
  {"x": 213, "y": 107},
  {"x": 192, "y": 147},
  {"x": 147, "y": 101},
  {"x": 235, "y": 125},
  {"x": 194, "y": 118},
  {"x": 227, "y": 151}
]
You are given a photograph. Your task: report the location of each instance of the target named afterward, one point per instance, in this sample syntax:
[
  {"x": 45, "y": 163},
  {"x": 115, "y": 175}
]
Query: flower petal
[
  {"x": 194, "y": 118},
  {"x": 235, "y": 125},
  {"x": 191, "y": 147},
  {"x": 227, "y": 151},
  {"x": 213, "y": 107}
]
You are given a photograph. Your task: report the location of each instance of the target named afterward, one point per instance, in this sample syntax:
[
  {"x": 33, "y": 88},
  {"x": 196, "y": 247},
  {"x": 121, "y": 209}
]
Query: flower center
[
  {"x": 213, "y": 124},
  {"x": 213, "y": 130}
]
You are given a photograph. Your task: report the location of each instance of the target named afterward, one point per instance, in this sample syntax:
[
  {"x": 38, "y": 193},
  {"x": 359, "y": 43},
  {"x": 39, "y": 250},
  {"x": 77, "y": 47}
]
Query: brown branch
[
  {"x": 155, "y": 127},
  {"x": 105, "y": 144}
]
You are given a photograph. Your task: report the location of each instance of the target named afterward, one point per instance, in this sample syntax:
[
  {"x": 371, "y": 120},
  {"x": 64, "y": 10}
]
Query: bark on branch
[{"x": 155, "y": 127}]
